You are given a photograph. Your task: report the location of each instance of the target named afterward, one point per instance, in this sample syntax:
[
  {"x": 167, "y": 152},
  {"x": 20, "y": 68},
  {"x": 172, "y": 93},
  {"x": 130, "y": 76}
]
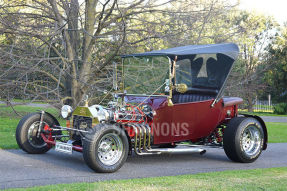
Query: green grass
[
  {"x": 256, "y": 179},
  {"x": 7, "y": 133},
  {"x": 277, "y": 132},
  {"x": 22, "y": 110},
  {"x": 9, "y": 121}
]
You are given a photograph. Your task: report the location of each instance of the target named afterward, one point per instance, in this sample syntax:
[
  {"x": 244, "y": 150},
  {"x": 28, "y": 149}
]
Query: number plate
[{"x": 64, "y": 147}]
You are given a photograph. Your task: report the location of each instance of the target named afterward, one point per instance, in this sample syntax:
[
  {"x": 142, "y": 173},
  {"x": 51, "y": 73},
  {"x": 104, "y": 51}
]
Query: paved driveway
[
  {"x": 29, "y": 104},
  {"x": 274, "y": 119}
]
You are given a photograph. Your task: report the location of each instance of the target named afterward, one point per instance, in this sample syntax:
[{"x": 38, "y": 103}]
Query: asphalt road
[
  {"x": 274, "y": 119},
  {"x": 29, "y": 104},
  {"x": 18, "y": 169}
]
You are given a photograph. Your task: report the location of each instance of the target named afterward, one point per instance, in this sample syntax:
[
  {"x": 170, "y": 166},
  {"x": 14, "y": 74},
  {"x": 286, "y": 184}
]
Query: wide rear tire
[
  {"x": 105, "y": 148},
  {"x": 243, "y": 139},
  {"x": 26, "y": 133}
]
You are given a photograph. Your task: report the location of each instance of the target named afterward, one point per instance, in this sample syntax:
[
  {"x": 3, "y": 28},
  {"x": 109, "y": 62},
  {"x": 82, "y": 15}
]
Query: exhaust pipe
[
  {"x": 180, "y": 150},
  {"x": 137, "y": 148},
  {"x": 143, "y": 132}
]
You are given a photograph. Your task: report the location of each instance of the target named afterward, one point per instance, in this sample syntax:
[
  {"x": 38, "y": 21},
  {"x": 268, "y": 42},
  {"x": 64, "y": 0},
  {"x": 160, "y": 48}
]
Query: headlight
[{"x": 66, "y": 111}]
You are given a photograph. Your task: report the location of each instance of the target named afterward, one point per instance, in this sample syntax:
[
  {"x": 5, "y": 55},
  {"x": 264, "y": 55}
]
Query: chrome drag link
[
  {"x": 142, "y": 143},
  {"x": 60, "y": 128}
]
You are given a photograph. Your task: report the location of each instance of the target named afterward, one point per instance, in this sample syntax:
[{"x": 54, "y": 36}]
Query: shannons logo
[
  {"x": 167, "y": 129},
  {"x": 171, "y": 129}
]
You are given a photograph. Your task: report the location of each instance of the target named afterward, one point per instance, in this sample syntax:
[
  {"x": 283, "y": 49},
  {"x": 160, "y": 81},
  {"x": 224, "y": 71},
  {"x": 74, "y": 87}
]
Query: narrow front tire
[{"x": 27, "y": 130}]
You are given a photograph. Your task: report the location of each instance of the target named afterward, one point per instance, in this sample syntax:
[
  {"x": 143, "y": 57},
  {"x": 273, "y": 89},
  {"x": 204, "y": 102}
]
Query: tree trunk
[
  {"x": 73, "y": 30},
  {"x": 250, "y": 105}
]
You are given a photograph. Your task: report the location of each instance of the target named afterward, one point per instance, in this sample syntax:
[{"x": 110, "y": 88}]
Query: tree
[
  {"x": 63, "y": 43},
  {"x": 186, "y": 22},
  {"x": 247, "y": 77},
  {"x": 65, "y": 48},
  {"x": 276, "y": 77}
]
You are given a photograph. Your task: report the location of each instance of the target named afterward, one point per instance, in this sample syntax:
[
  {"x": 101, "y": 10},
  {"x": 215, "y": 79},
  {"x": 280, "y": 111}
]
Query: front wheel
[
  {"x": 105, "y": 148},
  {"x": 243, "y": 139},
  {"x": 27, "y": 130}
]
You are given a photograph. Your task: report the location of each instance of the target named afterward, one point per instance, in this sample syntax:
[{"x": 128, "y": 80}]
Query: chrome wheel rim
[
  {"x": 251, "y": 140},
  {"x": 32, "y": 136},
  {"x": 110, "y": 149}
]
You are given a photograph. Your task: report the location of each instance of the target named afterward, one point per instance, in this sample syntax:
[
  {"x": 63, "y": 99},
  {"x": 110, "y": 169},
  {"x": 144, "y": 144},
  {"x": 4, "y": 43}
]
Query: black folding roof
[{"x": 228, "y": 49}]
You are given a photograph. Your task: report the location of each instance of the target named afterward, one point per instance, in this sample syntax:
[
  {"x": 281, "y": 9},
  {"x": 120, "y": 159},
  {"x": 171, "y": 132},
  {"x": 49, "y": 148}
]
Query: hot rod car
[{"x": 165, "y": 101}]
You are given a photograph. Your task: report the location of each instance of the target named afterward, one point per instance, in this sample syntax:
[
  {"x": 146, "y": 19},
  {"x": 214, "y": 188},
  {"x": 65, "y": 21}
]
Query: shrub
[{"x": 280, "y": 108}]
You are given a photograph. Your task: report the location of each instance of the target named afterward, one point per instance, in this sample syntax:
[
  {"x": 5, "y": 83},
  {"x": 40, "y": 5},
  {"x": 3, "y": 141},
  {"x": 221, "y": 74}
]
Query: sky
[{"x": 276, "y": 8}]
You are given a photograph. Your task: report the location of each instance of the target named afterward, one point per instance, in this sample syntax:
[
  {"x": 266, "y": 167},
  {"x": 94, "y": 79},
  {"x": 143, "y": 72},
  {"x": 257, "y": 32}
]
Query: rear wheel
[
  {"x": 27, "y": 130},
  {"x": 105, "y": 148},
  {"x": 243, "y": 139}
]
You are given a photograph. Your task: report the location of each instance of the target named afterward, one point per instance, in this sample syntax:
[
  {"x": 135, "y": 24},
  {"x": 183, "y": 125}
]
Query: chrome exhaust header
[{"x": 142, "y": 143}]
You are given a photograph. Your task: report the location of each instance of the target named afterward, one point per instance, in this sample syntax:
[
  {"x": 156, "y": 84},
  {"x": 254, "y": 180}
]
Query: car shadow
[
  {"x": 178, "y": 157},
  {"x": 76, "y": 162}
]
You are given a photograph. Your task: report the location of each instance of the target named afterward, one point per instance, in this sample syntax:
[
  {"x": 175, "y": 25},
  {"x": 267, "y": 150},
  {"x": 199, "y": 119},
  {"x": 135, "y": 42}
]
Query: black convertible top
[{"x": 229, "y": 49}]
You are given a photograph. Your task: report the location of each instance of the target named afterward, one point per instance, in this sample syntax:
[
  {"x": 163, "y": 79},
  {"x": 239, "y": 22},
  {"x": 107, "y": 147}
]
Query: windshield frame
[{"x": 121, "y": 82}]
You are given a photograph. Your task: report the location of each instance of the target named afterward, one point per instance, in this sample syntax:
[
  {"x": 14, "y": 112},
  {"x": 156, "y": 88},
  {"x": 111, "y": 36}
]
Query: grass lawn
[
  {"x": 22, "y": 110},
  {"x": 8, "y": 122},
  {"x": 257, "y": 179},
  {"x": 277, "y": 132}
]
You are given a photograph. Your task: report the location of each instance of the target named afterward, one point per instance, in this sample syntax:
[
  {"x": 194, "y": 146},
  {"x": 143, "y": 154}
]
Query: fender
[
  {"x": 54, "y": 118},
  {"x": 263, "y": 126}
]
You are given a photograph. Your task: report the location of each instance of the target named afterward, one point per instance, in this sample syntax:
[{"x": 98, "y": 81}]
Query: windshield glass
[{"x": 145, "y": 75}]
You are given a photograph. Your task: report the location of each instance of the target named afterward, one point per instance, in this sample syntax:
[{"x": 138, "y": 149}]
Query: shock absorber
[{"x": 218, "y": 135}]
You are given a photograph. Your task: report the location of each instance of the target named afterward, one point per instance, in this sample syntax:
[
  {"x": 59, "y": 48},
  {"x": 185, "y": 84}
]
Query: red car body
[{"x": 200, "y": 117}]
